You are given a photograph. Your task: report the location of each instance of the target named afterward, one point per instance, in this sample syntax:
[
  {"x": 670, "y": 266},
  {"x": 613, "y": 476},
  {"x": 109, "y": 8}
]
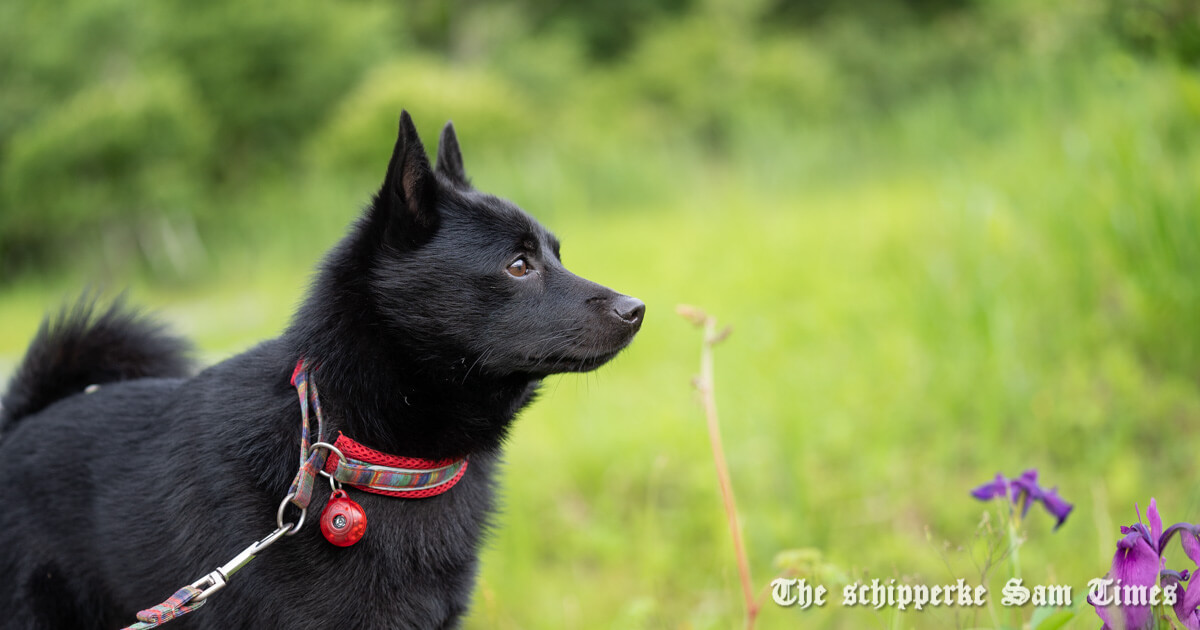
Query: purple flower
[
  {"x": 1189, "y": 537},
  {"x": 1185, "y": 602},
  {"x": 989, "y": 491},
  {"x": 1136, "y": 563},
  {"x": 1139, "y": 562},
  {"x": 1024, "y": 491},
  {"x": 1056, "y": 506}
]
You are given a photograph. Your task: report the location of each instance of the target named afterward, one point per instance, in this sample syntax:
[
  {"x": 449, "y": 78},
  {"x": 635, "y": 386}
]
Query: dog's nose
[{"x": 629, "y": 309}]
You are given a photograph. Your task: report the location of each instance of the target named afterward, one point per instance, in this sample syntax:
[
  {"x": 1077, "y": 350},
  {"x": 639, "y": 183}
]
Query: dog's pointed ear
[
  {"x": 410, "y": 186},
  {"x": 449, "y": 158}
]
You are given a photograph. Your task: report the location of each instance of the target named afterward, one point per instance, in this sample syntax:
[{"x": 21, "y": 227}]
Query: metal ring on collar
[
  {"x": 329, "y": 447},
  {"x": 279, "y": 515},
  {"x": 333, "y": 482},
  {"x": 292, "y": 495}
]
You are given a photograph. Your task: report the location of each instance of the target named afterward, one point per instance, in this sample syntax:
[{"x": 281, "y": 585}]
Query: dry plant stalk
[{"x": 705, "y": 386}]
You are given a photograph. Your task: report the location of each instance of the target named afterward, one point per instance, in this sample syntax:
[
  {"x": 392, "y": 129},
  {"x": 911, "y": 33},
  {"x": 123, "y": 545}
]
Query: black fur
[
  {"x": 80, "y": 348},
  {"x": 424, "y": 345}
]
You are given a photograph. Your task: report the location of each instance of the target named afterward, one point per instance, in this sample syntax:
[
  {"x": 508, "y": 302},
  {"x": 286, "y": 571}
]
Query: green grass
[{"x": 964, "y": 304}]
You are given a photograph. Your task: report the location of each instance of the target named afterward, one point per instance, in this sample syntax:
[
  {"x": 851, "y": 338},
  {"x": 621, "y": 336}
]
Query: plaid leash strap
[
  {"x": 175, "y": 606},
  {"x": 362, "y": 467},
  {"x": 310, "y": 461}
]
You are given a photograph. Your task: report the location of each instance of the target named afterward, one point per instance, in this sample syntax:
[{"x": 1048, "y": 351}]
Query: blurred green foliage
[
  {"x": 953, "y": 236},
  {"x": 114, "y": 111}
]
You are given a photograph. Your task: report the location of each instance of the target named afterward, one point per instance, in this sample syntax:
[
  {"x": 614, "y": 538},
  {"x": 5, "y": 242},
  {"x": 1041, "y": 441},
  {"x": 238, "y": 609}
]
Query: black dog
[{"x": 427, "y": 328}]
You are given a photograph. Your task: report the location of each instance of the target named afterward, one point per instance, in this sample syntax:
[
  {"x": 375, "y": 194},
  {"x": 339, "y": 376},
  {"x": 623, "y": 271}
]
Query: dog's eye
[{"x": 519, "y": 268}]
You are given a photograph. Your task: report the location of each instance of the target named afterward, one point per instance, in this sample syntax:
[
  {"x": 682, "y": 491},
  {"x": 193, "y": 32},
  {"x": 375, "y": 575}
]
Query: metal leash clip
[
  {"x": 191, "y": 597},
  {"x": 217, "y": 580}
]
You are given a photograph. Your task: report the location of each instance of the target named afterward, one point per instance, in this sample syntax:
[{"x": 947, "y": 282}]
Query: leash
[
  {"x": 343, "y": 522},
  {"x": 191, "y": 597}
]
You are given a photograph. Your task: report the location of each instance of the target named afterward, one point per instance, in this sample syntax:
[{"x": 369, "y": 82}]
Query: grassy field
[{"x": 981, "y": 283}]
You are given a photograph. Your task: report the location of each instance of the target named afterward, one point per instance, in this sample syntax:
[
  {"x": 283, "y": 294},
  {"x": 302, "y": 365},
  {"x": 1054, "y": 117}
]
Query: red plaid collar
[
  {"x": 410, "y": 477},
  {"x": 362, "y": 467}
]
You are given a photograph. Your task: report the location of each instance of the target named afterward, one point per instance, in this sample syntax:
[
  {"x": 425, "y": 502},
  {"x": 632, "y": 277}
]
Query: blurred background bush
[{"x": 955, "y": 237}]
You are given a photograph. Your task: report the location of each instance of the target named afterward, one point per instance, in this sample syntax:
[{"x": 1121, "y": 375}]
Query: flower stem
[
  {"x": 1014, "y": 544},
  {"x": 705, "y": 385},
  {"x": 1014, "y": 550}
]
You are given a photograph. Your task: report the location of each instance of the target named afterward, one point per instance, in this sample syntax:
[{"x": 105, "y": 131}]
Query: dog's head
[{"x": 471, "y": 278}]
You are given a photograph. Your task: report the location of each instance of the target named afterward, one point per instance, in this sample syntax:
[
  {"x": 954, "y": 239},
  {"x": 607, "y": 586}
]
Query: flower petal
[
  {"x": 1136, "y": 563},
  {"x": 1191, "y": 544},
  {"x": 1187, "y": 537},
  {"x": 1141, "y": 530},
  {"x": 1056, "y": 506},
  {"x": 996, "y": 488},
  {"x": 1185, "y": 602},
  {"x": 1105, "y": 613},
  {"x": 1026, "y": 483},
  {"x": 1155, "y": 521},
  {"x": 1025, "y": 490}
]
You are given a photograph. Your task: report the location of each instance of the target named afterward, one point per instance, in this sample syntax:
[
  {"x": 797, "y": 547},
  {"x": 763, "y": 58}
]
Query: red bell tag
[{"x": 343, "y": 522}]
